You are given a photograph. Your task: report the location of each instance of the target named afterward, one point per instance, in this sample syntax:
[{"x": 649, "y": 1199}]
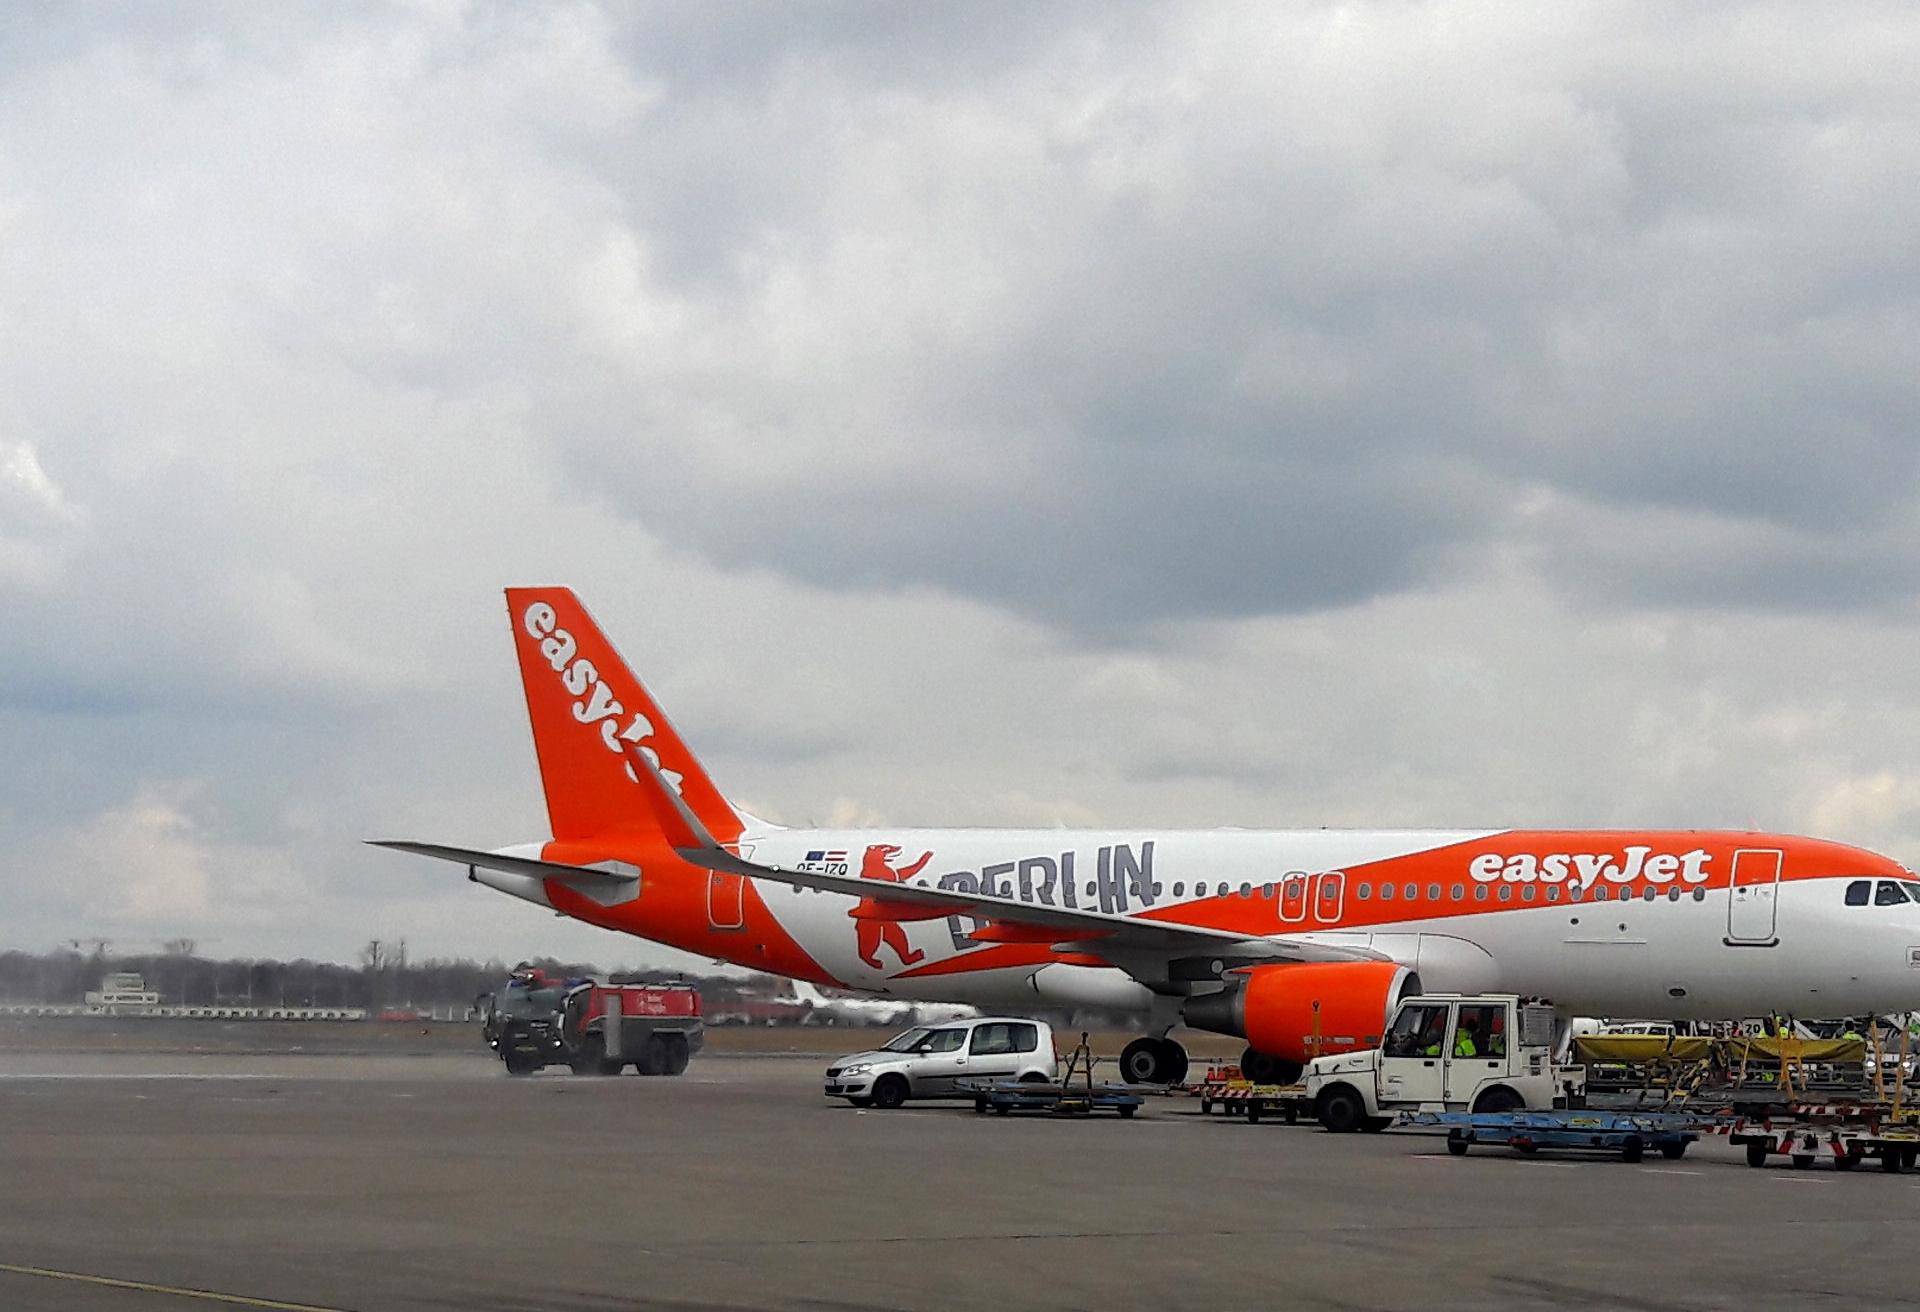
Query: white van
[{"x": 928, "y": 1061}]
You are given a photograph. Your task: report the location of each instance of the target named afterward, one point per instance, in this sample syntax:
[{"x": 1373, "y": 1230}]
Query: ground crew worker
[
  {"x": 1853, "y": 1032},
  {"x": 1463, "y": 1044}
]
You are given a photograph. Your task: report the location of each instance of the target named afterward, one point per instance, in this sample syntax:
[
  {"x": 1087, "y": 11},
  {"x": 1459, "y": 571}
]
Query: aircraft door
[
  {"x": 1753, "y": 898},
  {"x": 1329, "y": 894},
  {"x": 726, "y": 896},
  {"x": 1293, "y": 896}
]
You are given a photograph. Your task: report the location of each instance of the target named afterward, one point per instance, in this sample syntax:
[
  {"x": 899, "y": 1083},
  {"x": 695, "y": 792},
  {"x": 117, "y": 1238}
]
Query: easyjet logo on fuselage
[
  {"x": 1588, "y": 868},
  {"x": 597, "y": 704}
]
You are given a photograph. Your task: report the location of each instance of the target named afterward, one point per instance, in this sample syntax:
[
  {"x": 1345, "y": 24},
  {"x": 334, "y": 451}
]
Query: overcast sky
[{"x": 1173, "y": 415}]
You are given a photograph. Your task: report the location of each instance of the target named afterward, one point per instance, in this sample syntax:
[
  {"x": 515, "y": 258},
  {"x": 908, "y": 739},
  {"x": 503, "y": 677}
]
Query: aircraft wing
[{"x": 1123, "y": 938}]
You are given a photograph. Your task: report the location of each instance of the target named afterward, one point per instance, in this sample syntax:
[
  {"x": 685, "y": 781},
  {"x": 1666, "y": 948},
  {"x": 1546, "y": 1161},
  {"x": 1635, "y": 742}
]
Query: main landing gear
[
  {"x": 1153, "y": 1061},
  {"x": 1265, "y": 1068}
]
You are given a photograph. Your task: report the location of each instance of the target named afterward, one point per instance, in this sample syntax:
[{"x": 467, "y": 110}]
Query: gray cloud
[{"x": 1357, "y": 413}]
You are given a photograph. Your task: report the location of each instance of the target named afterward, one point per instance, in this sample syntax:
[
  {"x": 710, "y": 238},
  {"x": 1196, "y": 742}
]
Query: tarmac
[{"x": 393, "y": 1180}]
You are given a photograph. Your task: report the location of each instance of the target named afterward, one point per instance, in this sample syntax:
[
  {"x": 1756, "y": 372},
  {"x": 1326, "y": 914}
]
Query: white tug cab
[{"x": 1489, "y": 1052}]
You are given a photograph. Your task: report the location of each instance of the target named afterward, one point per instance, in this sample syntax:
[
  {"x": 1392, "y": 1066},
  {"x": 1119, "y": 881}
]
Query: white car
[{"x": 929, "y": 1061}]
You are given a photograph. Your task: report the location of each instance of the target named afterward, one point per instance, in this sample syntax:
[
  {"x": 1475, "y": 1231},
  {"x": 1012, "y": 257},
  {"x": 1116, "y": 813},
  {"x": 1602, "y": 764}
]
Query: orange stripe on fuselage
[{"x": 1439, "y": 884}]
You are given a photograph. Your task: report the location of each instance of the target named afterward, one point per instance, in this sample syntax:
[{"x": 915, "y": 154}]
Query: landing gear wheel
[
  {"x": 1265, "y": 1068},
  {"x": 1756, "y": 1153},
  {"x": 1341, "y": 1110},
  {"x": 889, "y": 1091},
  {"x": 1457, "y": 1143},
  {"x": 1153, "y": 1061}
]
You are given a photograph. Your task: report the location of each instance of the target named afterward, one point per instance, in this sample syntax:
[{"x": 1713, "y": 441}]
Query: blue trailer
[{"x": 1631, "y": 1134}]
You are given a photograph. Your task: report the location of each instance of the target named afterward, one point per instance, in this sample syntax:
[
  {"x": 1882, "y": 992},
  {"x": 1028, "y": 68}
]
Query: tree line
[{"x": 385, "y": 976}]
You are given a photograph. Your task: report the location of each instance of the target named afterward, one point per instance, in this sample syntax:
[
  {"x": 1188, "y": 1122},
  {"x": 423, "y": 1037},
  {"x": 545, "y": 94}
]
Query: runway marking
[
  {"x": 1666, "y": 1170},
  {"x": 141, "y": 1286}
]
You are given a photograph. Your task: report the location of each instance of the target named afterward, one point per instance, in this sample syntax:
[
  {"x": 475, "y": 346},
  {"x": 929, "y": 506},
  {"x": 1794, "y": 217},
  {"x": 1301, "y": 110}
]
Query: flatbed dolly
[
  {"x": 1287, "y": 1101},
  {"x": 1237, "y": 1096},
  {"x": 1073, "y": 1094},
  {"x": 1846, "y": 1133},
  {"x": 1063, "y": 1099},
  {"x": 1631, "y": 1134}
]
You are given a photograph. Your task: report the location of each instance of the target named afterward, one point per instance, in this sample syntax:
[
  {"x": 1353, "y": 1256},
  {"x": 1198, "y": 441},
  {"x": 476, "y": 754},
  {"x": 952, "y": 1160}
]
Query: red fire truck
[{"x": 595, "y": 1027}]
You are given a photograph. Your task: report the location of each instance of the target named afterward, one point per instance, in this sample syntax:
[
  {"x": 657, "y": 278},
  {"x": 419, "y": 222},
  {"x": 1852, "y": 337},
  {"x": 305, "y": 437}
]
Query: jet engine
[{"x": 1293, "y": 1011}]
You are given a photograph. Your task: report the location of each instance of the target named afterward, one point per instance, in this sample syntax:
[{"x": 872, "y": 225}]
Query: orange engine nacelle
[{"x": 1274, "y": 1007}]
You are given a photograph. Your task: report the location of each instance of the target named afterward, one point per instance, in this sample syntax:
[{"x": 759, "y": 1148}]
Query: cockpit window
[
  {"x": 1889, "y": 894},
  {"x": 1858, "y": 892}
]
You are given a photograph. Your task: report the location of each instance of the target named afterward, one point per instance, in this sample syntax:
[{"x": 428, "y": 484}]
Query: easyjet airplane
[{"x": 1290, "y": 938}]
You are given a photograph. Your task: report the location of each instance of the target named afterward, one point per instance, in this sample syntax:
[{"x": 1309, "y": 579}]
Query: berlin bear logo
[{"x": 872, "y": 933}]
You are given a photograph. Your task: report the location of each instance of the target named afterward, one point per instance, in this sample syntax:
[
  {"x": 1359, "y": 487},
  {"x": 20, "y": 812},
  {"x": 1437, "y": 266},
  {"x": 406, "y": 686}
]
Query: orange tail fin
[{"x": 588, "y": 711}]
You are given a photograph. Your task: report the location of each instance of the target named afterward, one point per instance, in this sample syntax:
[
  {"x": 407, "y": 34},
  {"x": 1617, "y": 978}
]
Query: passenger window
[
  {"x": 991, "y": 1041},
  {"x": 1857, "y": 892},
  {"x": 1888, "y": 894},
  {"x": 1023, "y": 1038}
]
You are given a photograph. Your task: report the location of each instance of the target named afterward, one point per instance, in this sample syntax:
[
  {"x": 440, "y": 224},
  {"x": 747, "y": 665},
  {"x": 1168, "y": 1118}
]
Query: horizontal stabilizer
[{"x": 607, "y": 872}]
